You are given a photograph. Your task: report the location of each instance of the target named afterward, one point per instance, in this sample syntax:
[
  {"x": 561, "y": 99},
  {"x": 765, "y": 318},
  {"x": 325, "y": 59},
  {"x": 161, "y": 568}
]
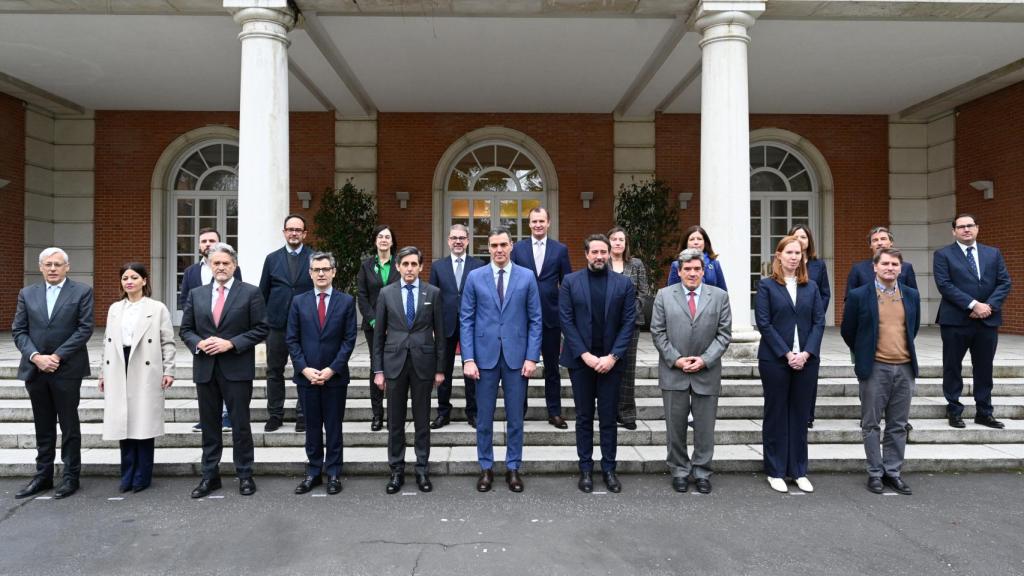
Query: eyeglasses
[
  {"x": 965, "y": 226},
  {"x": 321, "y": 270},
  {"x": 55, "y": 265},
  {"x": 295, "y": 230},
  {"x": 458, "y": 238}
]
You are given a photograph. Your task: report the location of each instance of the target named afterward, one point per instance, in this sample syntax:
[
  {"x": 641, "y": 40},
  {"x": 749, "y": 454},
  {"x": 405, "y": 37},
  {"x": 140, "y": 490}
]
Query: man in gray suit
[
  {"x": 408, "y": 359},
  {"x": 52, "y": 325},
  {"x": 691, "y": 327}
]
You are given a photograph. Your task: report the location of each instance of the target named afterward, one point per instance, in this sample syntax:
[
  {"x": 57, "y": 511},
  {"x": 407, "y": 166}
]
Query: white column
[
  {"x": 263, "y": 169},
  {"x": 724, "y": 149}
]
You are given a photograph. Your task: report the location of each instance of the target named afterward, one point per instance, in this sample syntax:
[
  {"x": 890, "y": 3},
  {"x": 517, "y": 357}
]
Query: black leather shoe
[
  {"x": 274, "y": 423},
  {"x": 300, "y": 425},
  {"x": 586, "y": 483},
  {"x": 395, "y": 483},
  {"x": 122, "y": 488},
  {"x": 308, "y": 483},
  {"x": 558, "y": 422},
  {"x": 680, "y": 483},
  {"x": 377, "y": 423},
  {"x": 628, "y": 425},
  {"x": 703, "y": 485},
  {"x": 139, "y": 488},
  {"x": 810, "y": 424},
  {"x": 514, "y": 480},
  {"x": 989, "y": 421},
  {"x": 205, "y": 487},
  {"x": 956, "y": 421},
  {"x": 875, "y": 485},
  {"x": 909, "y": 428},
  {"x": 333, "y": 485},
  {"x": 35, "y": 486},
  {"x": 440, "y": 422},
  {"x": 471, "y": 420},
  {"x": 897, "y": 484},
  {"x": 483, "y": 484},
  {"x": 66, "y": 488},
  {"x": 246, "y": 486},
  {"x": 423, "y": 483},
  {"x": 612, "y": 482}
]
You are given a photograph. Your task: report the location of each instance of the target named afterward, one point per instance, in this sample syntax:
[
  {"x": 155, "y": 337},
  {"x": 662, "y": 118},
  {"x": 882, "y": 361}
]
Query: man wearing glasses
[
  {"x": 449, "y": 274},
  {"x": 973, "y": 281}
]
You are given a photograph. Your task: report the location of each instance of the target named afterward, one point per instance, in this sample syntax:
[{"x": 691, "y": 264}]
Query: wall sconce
[
  {"x": 986, "y": 187},
  {"x": 684, "y": 200},
  {"x": 304, "y": 197},
  {"x": 403, "y": 199},
  {"x": 586, "y": 197}
]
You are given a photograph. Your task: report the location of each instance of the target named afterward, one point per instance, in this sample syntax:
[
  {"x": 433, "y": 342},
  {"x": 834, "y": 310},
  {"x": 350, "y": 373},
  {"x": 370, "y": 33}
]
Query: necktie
[
  {"x": 458, "y": 273},
  {"x": 321, "y": 309},
  {"x": 971, "y": 263},
  {"x": 501, "y": 287},
  {"x": 538, "y": 255},
  {"x": 218, "y": 307},
  {"x": 693, "y": 305},
  {"x": 52, "y": 293},
  {"x": 410, "y": 305},
  {"x": 293, "y": 265}
]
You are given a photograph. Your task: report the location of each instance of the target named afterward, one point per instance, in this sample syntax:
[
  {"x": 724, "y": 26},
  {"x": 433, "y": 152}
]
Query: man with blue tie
[
  {"x": 973, "y": 281},
  {"x": 549, "y": 261},
  {"x": 321, "y": 336},
  {"x": 598, "y": 313},
  {"x": 449, "y": 275},
  {"x": 501, "y": 334}
]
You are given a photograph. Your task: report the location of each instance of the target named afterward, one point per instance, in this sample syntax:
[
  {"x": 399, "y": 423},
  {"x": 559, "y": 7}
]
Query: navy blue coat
[
  {"x": 817, "y": 272},
  {"x": 863, "y": 272},
  {"x": 713, "y": 273},
  {"x": 959, "y": 286},
  {"x": 860, "y": 326},
  {"x": 777, "y": 317},
  {"x": 279, "y": 287},
  {"x": 193, "y": 278},
  {"x": 309, "y": 346},
  {"x": 574, "y": 311},
  {"x": 442, "y": 275},
  {"x": 556, "y": 266}
]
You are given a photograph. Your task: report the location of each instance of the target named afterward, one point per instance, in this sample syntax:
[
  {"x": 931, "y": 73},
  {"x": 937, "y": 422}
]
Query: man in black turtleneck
[{"x": 597, "y": 316}]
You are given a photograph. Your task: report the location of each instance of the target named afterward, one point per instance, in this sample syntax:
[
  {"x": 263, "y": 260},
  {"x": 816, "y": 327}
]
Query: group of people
[{"x": 524, "y": 305}]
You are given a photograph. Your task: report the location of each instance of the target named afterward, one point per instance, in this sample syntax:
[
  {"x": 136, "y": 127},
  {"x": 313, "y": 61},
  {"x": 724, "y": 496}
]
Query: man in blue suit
[
  {"x": 973, "y": 282},
  {"x": 880, "y": 322},
  {"x": 284, "y": 277},
  {"x": 321, "y": 336},
  {"x": 863, "y": 272},
  {"x": 549, "y": 261},
  {"x": 597, "y": 311},
  {"x": 501, "y": 333},
  {"x": 449, "y": 274}
]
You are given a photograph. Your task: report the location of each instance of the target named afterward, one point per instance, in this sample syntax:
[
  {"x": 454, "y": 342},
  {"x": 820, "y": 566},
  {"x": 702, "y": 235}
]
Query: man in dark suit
[
  {"x": 449, "y": 274},
  {"x": 863, "y": 272},
  {"x": 598, "y": 312},
  {"x": 973, "y": 281},
  {"x": 549, "y": 261},
  {"x": 52, "y": 325},
  {"x": 408, "y": 353},
  {"x": 501, "y": 334},
  {"x": 284, "y": 277},
  {"x": 321, "y": 336},
  {"x": 221, "y": 325}
]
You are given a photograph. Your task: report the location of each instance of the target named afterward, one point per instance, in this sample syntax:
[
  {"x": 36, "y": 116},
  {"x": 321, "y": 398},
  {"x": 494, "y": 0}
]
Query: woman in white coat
[{"x": 137, "y": 366}]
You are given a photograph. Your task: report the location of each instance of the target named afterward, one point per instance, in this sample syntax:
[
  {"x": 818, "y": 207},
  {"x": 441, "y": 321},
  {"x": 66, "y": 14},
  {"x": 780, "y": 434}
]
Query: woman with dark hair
[
  {"x": 817, "y": 272},
  {"x": 137, "y": 366},
  {"x": 376, "y": 272},
  {"x": 791, "y": 320},
  {"x": 633, "y": 269},
  {"x": 697, "y": 238}
]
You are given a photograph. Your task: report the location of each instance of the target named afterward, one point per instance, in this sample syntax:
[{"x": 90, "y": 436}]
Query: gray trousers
[
  {"x": 887, "y": 393},
  {"x": 678, "y": 405}
]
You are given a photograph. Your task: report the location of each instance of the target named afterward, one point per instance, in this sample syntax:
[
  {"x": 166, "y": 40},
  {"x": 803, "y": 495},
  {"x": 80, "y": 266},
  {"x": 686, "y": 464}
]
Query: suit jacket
[
  {"x": 777, "y": 317},
  {"x": 279, "y": 287},
  {"x": 64, "y": 333},
  {"x": 959, "y": 286},
  {"x": 677, "y": 334},
  {"x": 442, "y": 275},
  {"x": 860, "y": 325},
  {"x": 394, "y": 342},
  {"x": 556, "y": 266},
  {"x": 330, "y": 347},
  {"x": 490, "y": 330},
  {"x": 863, "y": 272},
  {"x": 368, "y": 285},
  {"x": 243, "y": 322},
  {"x": 193, "y": 278},
  {"x": 817, "y": 271},
  {"x": 713, "y": 273},
  {"x": 575, "y": 307}
]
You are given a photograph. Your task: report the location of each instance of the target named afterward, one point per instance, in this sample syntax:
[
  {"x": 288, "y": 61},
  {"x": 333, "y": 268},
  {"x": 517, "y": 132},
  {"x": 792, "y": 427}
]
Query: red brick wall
[
  {"x": 128, "y": 145},
  {"x": 12, "y": 209},
  {"x": 855, "y": 148},
  {"x": 411, "y": 145},
  {"x": 990, "y": 146}
]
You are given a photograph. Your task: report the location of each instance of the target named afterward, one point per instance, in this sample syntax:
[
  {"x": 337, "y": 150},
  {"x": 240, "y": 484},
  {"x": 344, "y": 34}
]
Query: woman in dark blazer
[
  {"x": 698, "y": 239},
  {"x": 791, "y": 319},
  {"x": 818, "y": 273},
  {"x": 376, "y": 272},
  {"x": 635, "y": 270}
]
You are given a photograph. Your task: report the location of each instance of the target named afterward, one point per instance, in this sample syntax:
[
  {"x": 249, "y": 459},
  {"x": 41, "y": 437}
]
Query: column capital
[
  {"x": 726, "y": 20},
  {"x": 271, "y": 19}
]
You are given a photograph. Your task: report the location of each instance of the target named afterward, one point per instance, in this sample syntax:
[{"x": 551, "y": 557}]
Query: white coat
[{"x": 133, "y": 407}]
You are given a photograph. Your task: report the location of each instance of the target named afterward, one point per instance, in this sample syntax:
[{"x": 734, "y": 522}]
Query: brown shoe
[
  {"x": 558, "y": 422},
  {"x": 515, "y": 482},
  {"x": 483, "y": 484}
]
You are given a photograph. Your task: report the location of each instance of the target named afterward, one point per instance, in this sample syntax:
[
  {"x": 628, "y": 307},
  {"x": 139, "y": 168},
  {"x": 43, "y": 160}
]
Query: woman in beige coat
[{"x": 137, "y": 366}]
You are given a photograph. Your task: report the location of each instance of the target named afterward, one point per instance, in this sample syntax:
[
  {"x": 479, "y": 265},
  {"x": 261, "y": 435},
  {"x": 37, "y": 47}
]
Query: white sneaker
[
  {"x": 778, "y": 484},
  {"x": 804, "y": 484}
]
